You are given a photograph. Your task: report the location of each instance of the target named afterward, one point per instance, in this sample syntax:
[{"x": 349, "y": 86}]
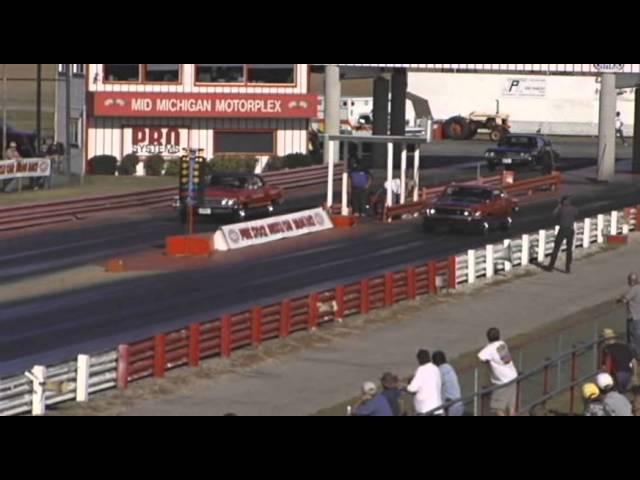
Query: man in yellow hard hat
[{"x": 593, "y": 401}]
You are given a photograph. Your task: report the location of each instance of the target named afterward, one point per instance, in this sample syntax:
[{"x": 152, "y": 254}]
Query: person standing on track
[{"x": 566, "y": 215}]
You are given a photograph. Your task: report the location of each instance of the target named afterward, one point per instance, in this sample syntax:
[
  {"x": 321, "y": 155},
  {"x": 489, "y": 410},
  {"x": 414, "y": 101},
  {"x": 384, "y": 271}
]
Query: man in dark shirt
[
  {"x": 618, "y": 359},
  {"x": 566, "y": 215}
]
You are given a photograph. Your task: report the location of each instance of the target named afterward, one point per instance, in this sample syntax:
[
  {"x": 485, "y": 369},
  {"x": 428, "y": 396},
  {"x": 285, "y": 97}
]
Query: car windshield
[
  {"x": 521, "y": 142},
  {"x": 468, "y": 193},
  {"x": 228, "y": 182}
]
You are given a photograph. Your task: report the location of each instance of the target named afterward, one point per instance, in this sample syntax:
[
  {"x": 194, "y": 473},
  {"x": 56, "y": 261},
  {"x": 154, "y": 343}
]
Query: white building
[{"x": 252, "y": 109}]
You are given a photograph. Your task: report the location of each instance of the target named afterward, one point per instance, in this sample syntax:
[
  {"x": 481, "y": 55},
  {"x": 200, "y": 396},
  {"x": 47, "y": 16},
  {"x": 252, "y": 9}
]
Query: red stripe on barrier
[
  {"x": 159, "y": 355},
  {"x": 194, "y": 345}
]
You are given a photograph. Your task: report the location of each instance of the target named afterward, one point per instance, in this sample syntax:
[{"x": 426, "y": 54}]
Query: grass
[{"x": 93, "y": 186}]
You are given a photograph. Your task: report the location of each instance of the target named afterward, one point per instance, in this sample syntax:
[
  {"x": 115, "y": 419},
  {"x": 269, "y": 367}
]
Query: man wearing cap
[
  {"x": 618, "y": 359},
  {"x": 616, "y": 403},
  {"x": 632, "y": 300},
  {"x": 593, "y": 402},
  {"x": 12, "y": 152},
  {"x": 372, "y": 403},
  {"x": 566, "y": 215}
]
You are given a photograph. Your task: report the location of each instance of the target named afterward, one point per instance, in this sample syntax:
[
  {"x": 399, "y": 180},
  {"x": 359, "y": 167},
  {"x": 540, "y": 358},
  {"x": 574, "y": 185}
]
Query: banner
[
  {"x": 246, "y": 234},
  {"x": 26, "y": 168}
]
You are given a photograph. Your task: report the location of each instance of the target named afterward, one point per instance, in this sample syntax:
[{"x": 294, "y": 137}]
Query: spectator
[
  {"x": 12, "y": 152},
  {"x": 620, "y": 128},
  {"x": 566, "y": 215},
  {"x": 632, "y": 300},
  {"x": 618, "y": 357},
  {"x": 635, "y": 404},
  {"x": 427, "y": 387},
  {"x": 503, "y": 373},
  {"x": 372, "y": 403},
  {"x": 617, "y": 404},
  {"x": 391, "y": 391},
  {"x": 361, "y": 181},
  {"x": 593, "y": 403},
  {"x": 450, "y": 385}
]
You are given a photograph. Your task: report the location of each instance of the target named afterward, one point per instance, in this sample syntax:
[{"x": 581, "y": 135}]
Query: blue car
[{"x": 534, "y": 152}]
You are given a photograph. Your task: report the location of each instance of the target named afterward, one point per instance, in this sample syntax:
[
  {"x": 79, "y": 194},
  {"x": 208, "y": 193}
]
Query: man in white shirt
[
  {"x": 619, "y": 127},
  {"x": 426, "y": 386},
  {"x": 503, "y": 372}
]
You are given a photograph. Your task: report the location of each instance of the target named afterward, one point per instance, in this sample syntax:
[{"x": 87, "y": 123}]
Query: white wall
[{"x": 556, "y": 104}]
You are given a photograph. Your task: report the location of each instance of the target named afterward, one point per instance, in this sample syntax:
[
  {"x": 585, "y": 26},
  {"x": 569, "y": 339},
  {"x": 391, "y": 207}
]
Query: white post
[
  {"x": 330, "y": 158},
  {"x": 507, "y": 256},
  {"x": 38, "y": 375},
  {"x": 526, "y": 247},
  {"x": 614, "y": 223},
  {"x": 403, "y": 175},
  {"x": 600, "y": 223},
  {"x": 489, "y": 261},
  {"x": 416, "y": 173},
  {"x": 389, "y": 173},
  {"x": 586, "y": 233},
  {"x": 471, "y": 265},
  {"x": 82, "y": 378},
  {"x": 625, "y": 229},
  {"x": 542, "y": 245},
  {"x": 345, "y": 183}
]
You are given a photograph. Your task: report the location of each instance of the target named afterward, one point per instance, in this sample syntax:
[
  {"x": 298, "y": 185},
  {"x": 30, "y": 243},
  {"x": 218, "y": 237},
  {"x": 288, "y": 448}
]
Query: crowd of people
[{"x": 435, "y": 388}]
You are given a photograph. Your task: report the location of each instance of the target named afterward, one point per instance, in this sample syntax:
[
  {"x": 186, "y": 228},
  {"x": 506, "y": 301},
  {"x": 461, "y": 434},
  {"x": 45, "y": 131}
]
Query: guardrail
[
  {"x": 24, "y": 216},
  {"x": 42, "y": 386},
  {"x": 222, "y": 336}
]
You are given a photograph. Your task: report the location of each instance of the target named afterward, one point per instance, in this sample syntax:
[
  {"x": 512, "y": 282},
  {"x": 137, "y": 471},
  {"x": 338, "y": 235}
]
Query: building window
[
  {"x": 122, "y": 72},
  {"x": 78, "y": 69},
  {"x": 282, "y": 73},
  {"x": 76, "y": 129},
  {"x": 258, "y": 143},
  {"x": 162, "y": 72},
  {"x": 220, "y": 73}
]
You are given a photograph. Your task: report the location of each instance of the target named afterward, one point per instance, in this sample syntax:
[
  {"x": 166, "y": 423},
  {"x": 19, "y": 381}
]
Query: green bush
[
  {"x": 291, "y": 161},
  {"x": 103, "y": 165},
  {"x": 233, "y": 163},
  {"x": 154, "y": 165},
  {"x": 173, "y": 168},
  {"x": 128, "y": 165}
]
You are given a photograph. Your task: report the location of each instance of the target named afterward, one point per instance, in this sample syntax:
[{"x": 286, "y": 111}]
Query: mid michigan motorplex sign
[{"x": 204, "y": 105}]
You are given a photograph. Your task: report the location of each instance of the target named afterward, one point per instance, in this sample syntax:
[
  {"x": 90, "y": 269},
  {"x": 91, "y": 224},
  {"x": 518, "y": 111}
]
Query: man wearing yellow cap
[{"x": 593, "y": 402}]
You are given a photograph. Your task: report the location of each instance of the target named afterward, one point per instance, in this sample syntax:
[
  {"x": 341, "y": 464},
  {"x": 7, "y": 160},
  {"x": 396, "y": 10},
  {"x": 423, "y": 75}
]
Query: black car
[{"x": 529, "y": 151}]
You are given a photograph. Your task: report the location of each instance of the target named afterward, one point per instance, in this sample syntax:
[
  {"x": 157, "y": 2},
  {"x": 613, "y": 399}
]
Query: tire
[
  {"x": 492, "y": 167},
  {"x": 497, "y": 134},
  {"x": 456, "y": 128},
  {"x": 473, "y": 130},
  {"x": 506, "y": 224}
]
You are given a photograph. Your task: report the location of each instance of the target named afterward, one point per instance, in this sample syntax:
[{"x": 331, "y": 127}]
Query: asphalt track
[{"x": 52, "y": 328}]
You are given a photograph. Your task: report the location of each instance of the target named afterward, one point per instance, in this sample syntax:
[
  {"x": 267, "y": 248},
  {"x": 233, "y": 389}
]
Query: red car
[
  {"x": 478, "y": 208},
  {"x": 236, "y": 195}
]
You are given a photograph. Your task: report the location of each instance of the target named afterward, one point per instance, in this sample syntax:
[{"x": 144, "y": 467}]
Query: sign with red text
[
  {"x": 192, "y": 105},
  {"x": 146, "y": 141},
  {"x": 246, "y": 234},
  {"x": 26, "y": 168}
]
